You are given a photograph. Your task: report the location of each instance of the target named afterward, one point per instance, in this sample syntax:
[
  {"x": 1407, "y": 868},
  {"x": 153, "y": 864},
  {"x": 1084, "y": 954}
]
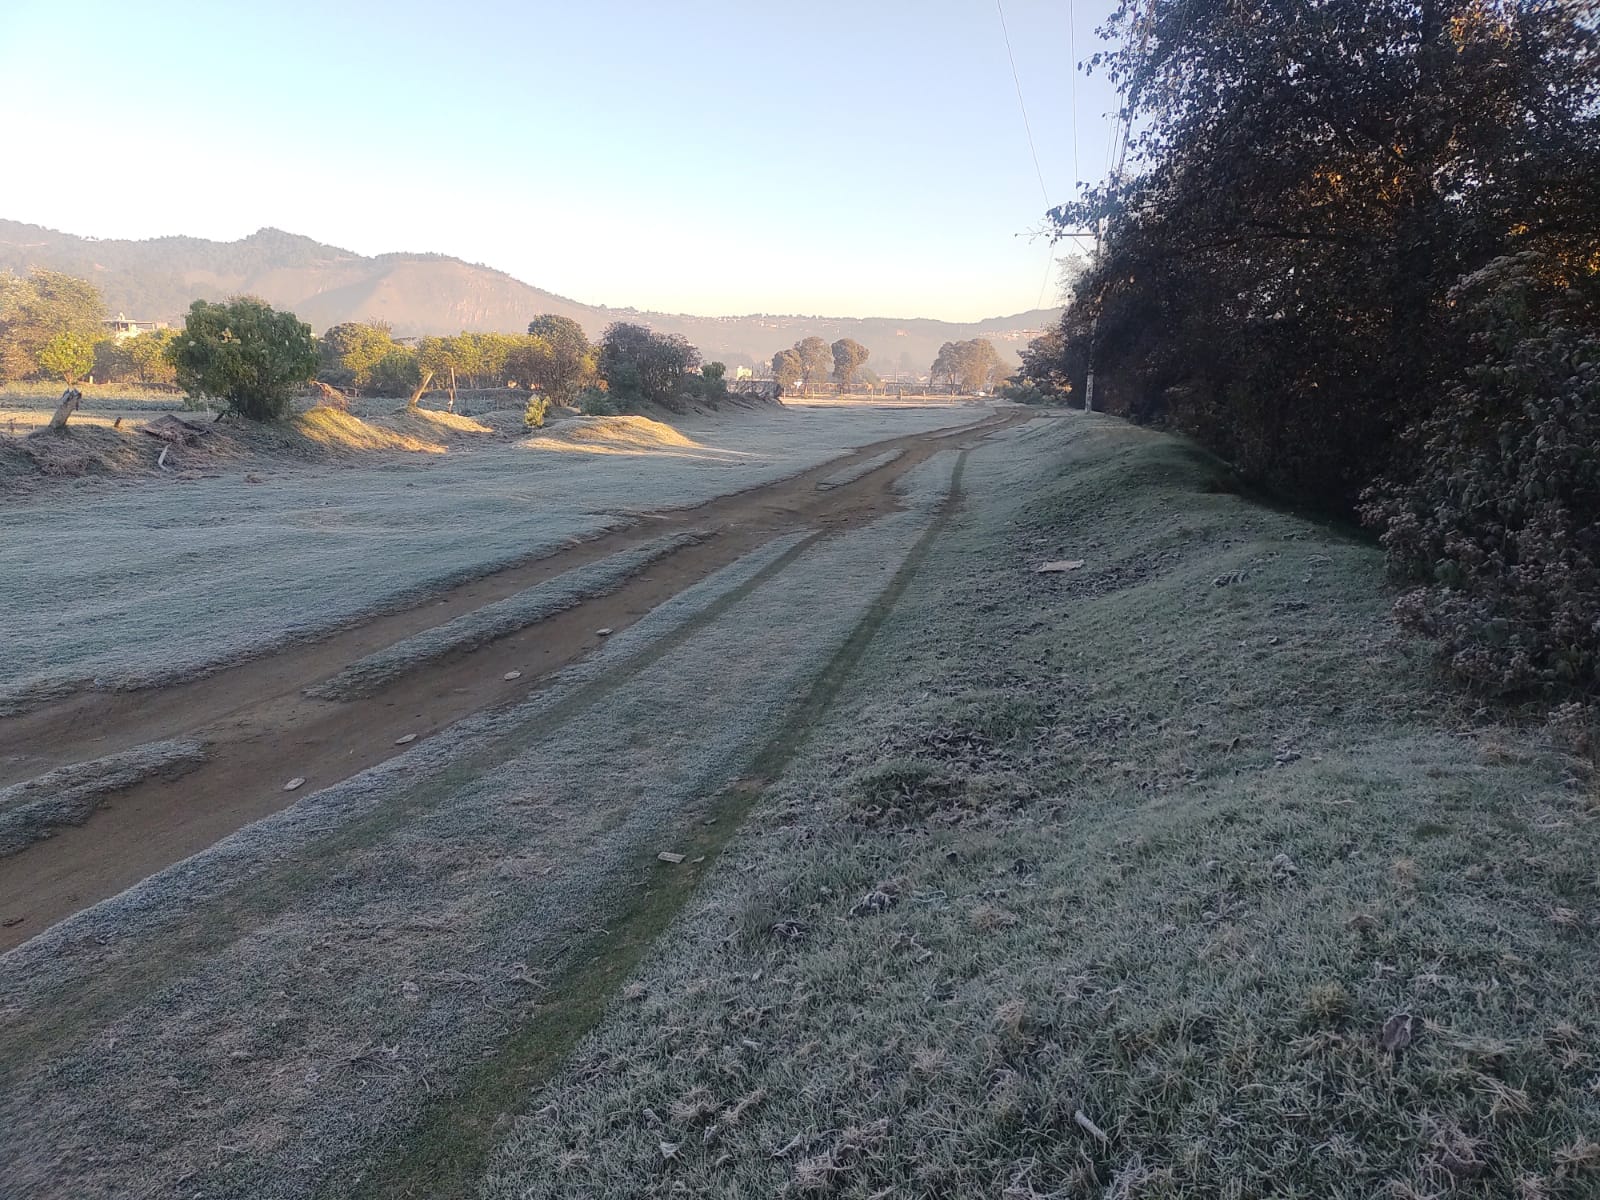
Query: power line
[
  {"x": 1049, "y": 270},
  {"x": 1016, "y": 79},
  {"x": 1072, "y": 53}
]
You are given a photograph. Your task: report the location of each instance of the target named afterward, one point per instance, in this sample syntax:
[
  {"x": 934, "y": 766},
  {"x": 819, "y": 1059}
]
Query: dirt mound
[
  {"x": 73, "y": 452},
  {"x": 429, "y": 424},
  {"x": 616, "y": 435}
]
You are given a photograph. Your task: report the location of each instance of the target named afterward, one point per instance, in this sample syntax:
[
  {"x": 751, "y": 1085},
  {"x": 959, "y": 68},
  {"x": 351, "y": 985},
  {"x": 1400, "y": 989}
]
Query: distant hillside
[{"x": 432, "y": 293}]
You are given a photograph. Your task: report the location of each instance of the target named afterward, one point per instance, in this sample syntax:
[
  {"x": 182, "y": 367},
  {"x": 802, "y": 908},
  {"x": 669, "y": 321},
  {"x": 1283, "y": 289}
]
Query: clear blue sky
[{"x": 708, "y": 156}]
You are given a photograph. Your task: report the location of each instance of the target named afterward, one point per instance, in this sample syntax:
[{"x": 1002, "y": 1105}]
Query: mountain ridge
[{"x": 420, "y": 292}]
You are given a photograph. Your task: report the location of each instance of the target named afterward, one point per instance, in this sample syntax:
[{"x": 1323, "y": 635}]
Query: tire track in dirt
[
  {"x": 144, "y": 998},
  {"x": 442, "y": 1156},
  {"x": 260, "y": 728}
]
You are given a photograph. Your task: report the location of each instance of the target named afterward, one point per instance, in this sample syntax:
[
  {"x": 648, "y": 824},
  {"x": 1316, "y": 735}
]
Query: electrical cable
[{"x": 1021, "y": 104}]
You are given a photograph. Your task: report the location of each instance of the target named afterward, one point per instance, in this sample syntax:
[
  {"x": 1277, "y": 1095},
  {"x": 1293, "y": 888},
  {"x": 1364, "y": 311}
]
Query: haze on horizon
[{"x": 722, "y": 159}]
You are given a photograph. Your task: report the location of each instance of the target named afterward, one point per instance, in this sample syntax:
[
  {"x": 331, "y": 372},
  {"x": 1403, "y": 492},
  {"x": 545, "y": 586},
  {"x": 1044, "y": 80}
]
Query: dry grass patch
[
  {"x": 613, "y": 435},
  {"x": 333, "y": 429}
]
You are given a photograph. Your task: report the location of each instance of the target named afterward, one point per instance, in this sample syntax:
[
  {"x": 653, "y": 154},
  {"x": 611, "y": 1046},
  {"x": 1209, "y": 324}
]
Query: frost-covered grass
[
  {"x": 473, "y": 629},
  {"x": 36, "y": 807},
  {"x": 118, "y": 585},
  {"x": 1167, "y": 842},
  {"x": 266, "y": 1017}
]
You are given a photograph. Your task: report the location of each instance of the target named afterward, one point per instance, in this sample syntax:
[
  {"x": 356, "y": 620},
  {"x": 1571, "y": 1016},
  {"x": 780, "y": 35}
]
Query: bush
[
  {"x": 1495, "y": 522},
  {"x": 395, "y": 374},
  {"x": 244, "y": 353},
  {"x": 1030, "y": 393},
  {"x": 533, "y": 415},
  {"x": 597, "y": 402}
]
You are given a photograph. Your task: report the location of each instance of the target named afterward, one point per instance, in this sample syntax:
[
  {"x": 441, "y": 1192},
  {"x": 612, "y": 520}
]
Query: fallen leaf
[
  {"x": 513, "y": 675},
  {"x": 294, "y": 783},
  {"x": 1090, "y": 1127},
  {"x": 1053, "y": 568},
  {"x": 404, "y": 738},
  {"x": 606, "y": 632}
]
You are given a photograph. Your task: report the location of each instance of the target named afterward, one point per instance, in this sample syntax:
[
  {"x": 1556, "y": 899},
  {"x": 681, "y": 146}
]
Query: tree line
[
  {"x": 811, "y": 362},
  {"x": 970, "y": 365},
  {"x": 52, "y": 326},
  {"x": 252, "y": 359},
  {"x": 1357, "y": 257}
]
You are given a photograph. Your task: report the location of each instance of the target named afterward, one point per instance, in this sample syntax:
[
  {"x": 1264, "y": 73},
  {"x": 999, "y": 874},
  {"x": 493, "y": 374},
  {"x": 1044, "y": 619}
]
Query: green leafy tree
[
  {"x": 351, "y": 351},
  {"x": 395, "y": 374},
  {"x": 970, "y": 365},
  {"x": 638, "y": 363},
  {"x": 572, "y": 363},
  {"x": 147, "y": 352},
  {"x": 528, "y": 363},
  {"x": 112, "y": 361},
  {"x": 816, "y": 360},
  {"x": 786, "y": 369},
  {"x": 1310, "y": 182},
  {"x": 245, "y": 354},
  {"x": 67, "y": 357},
  {"x": 849, "y": 356},
  {"x": 488, "y": 353},
  {"x": 44, "y": 306},
  {"x": 439, "y": 362}
]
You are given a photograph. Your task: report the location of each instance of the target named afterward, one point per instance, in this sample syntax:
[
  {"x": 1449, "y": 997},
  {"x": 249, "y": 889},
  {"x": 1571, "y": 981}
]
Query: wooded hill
[{"x": 435, "y": 294}]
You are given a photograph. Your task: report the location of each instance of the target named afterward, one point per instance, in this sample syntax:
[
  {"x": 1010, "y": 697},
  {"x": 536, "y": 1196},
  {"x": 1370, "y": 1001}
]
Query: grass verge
[
  {"x": 1172, "y": 876},
  {"x": 445, "y": 1154}
]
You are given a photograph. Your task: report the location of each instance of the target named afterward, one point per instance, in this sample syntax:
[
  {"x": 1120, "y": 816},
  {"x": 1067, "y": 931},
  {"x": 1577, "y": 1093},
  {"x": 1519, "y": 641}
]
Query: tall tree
[
  {"x": 1310, "y": 182},
  {"x": 786, "y": 368},
  {"x": 849, "y": 356},
  {"x": 529, "y": 362},
  {"x": 352, "y": 350},
  {"x": 439, "y": 362},
  {"x": 67, "y": 357},
  {"x": 45, "y": 305},
  {"x": 571, "y": 364},
  {"x": 971, "y": 365},
  {"x": 816, "y": 360},
  {"x": 147, "y": 353}
]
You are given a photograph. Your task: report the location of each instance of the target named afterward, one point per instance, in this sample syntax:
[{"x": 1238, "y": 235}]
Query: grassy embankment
[{"x": 1112, "y": 883}]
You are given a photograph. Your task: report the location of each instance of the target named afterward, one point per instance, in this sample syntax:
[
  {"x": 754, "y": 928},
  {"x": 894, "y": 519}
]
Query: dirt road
[{"x": 261, "y": 729}]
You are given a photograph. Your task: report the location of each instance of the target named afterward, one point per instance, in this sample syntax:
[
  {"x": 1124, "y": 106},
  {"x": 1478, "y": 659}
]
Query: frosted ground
[
  {"x": 413, "y": 913},
  {"x": 132, "y": 583}
]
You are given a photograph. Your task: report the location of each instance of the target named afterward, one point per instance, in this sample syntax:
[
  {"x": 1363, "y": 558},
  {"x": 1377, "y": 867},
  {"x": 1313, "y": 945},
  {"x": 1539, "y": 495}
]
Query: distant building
[{"x": 121, "y": 329}]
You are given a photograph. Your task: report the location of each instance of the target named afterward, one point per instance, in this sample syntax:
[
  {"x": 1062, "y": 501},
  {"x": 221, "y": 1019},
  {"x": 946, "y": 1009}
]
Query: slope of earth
[
  {"x": 432, "y": 293},
  {"x": 1171, "y": 876},
  {"x": 113, "y": 587}
]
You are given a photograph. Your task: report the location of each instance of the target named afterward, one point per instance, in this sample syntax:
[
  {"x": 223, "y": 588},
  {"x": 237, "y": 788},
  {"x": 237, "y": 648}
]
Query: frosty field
[{"x": 121, "y": 584}]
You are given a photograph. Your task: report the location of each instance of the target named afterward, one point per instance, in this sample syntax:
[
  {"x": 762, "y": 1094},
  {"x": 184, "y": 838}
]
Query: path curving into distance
[{"x": 270, "y": 719}]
